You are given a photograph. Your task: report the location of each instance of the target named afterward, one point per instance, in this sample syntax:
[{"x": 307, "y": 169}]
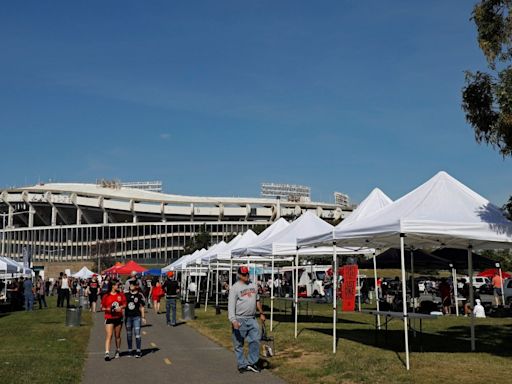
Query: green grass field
[
  {"x": 36, "y": 347},
  {"x": 446, "y": 356}
]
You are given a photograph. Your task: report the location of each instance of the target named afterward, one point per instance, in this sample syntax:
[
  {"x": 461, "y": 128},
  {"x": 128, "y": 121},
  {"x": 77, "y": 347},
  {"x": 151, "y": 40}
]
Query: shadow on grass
[{"x": 495, "y": 340}]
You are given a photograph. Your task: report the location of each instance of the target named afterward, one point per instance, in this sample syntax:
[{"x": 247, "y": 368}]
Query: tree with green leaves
[
  {"x": 487, "y": 96},
  {"x": 508, "y": 208},
  {"x": 199, "y": 241}
]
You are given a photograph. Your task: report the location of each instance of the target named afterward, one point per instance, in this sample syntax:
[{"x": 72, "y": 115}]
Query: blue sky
[{"x": 216, "y": 97}]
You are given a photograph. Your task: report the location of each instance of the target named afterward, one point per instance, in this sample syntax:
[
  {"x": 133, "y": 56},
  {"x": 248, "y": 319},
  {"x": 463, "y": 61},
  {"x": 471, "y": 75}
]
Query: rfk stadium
[{"x": 70, "y": 222}]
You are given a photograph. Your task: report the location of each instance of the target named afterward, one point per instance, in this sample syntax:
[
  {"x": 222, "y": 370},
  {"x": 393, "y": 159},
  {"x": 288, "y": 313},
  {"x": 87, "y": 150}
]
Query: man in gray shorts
[{"x": 242, "y": 305}]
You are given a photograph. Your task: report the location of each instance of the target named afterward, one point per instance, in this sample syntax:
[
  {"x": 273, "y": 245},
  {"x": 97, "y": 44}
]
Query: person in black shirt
[
  {"x": 171, "y": 289},
  {"x": 92, "y": 293},
  {"x": 134, "y": 317}
]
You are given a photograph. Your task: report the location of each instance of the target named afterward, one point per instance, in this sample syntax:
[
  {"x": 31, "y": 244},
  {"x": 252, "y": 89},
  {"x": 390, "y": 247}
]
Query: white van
[{"x": 478, "y": 281}]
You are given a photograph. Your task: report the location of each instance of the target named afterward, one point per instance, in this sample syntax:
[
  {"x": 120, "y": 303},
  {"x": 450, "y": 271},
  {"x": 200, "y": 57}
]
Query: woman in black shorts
[{"x": 113, "y": 304}]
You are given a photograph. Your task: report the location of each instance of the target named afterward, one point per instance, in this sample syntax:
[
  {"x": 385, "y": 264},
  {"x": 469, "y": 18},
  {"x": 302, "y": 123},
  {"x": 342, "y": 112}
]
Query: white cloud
[{"x": 165, "y": 136}]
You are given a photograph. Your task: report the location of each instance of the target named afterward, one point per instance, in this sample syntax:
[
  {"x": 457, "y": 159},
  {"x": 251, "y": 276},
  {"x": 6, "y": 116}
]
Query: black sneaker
[
  {"x": 138, "y": 354},
  {"x": 116, "y": 356},
  {"x": 242, "y": 369},
  {"x": 253, "y": 368},
  {"x": 130, "y": 353},
  {"x": 107, "y": 356}
]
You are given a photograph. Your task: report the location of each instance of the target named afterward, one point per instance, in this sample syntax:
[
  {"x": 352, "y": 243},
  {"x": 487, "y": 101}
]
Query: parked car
[
  {"x": 507, "y": 290},
  {"x": 478, "y": 281}
]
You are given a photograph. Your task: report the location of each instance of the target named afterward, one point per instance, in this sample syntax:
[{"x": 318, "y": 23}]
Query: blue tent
[{"x": 153, "y": 272}]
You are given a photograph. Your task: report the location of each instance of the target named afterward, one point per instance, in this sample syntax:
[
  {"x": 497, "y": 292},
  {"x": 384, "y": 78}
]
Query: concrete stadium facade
[{"x": 68, "y": 222}]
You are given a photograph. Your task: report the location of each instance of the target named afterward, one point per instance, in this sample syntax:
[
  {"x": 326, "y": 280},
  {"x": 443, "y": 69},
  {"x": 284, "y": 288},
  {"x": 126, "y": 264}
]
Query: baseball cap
[
  {"x": 134, "y": 282},
  {"x": 170, "y": 274},
  {"x": 243, "y": 270}
]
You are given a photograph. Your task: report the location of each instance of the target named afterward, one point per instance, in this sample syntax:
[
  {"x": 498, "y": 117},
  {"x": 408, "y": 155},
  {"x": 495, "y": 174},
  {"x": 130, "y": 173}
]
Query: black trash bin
[{"x": 73, "y": 317}]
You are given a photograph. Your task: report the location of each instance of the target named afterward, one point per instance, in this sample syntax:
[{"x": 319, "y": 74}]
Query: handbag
[{"x": 267, "y": 341}]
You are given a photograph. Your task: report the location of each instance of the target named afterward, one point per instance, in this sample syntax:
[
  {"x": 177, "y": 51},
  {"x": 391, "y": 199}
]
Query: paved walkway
[{"x": 178, "y": 354}]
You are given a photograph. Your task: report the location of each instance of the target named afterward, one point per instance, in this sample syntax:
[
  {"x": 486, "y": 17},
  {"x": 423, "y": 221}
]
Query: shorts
[
  {"x": 447, "y": 301},
  {"x": 497, "y": 291},
  {"x": 117, "y": 321},
  {"x": 93, "y": 298}
]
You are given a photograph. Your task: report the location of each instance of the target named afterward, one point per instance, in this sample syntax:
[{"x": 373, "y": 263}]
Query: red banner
[{"x": 349, "y": 287}]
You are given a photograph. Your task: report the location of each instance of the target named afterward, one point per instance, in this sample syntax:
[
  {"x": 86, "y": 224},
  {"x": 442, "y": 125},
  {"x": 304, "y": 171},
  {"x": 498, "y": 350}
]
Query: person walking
[
  {"x": 28, "y": 293},
  {"x": 172, "y": 290},
  {"x": 446, "y": 296},
  {"x": 133, "y": 277},
  {"x": 497, "y": 283},
  {"x": 64, "y": 290},
  {"x": 134, "y": 317},
  {"x": 113, "y": 304},
  {"x": 41, "y": 293},
  {"x": 92, "y": 292},
  {"x": 58, "y": 284},
  {"x": 156, "y": 295},
  {"x": 242, "y": 305}
]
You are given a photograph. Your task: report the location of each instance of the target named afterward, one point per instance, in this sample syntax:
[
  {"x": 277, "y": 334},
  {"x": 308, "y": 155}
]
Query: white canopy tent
[
  {"x": 225, "y": 255},
  {"x": 375, "y": 201},
  {"x": 212, "y": 251},
  {"x": 9, "y": 266},
  {"x": 276, "y": 227},
  {"x": 284, "y": 243},
  {"x": 83, "y": 273},
  {"x": 215, "y": 256},
  {"x": 24, "y": 270},
  {"x": 442, "y": 213}
]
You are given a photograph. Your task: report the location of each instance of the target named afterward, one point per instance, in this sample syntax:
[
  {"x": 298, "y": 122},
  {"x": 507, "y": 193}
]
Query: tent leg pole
[
  {"x": 198, "y": 290},
  {"x": 296, "y": 290},
  {"x": 334, "y": 295},
  {"x": 377, "y": 298},
  {"x": 189, "y": 278},
  {"x": 217, "y": 289},
  {"x": 471, "y": 297},
  {"x": 455, "y": 292},
  {"x": 207, "y": 290},
  {"x": 404, "y": 300},
  {"x": 230, "y": 272},
  {"x": 413, "y": 293},
  {"x": 272, "y": 298}
]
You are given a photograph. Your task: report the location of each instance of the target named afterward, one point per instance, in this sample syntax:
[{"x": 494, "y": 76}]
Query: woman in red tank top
[
  {"x": 156, "y": 294},
  {"x": 113, "y": 304}
]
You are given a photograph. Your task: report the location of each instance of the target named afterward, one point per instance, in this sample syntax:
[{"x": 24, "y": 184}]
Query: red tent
[
  {"x": 491, "y": 271},
  {"x": 129, "y": 267},
  {"x": 114, "y": 268}
]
